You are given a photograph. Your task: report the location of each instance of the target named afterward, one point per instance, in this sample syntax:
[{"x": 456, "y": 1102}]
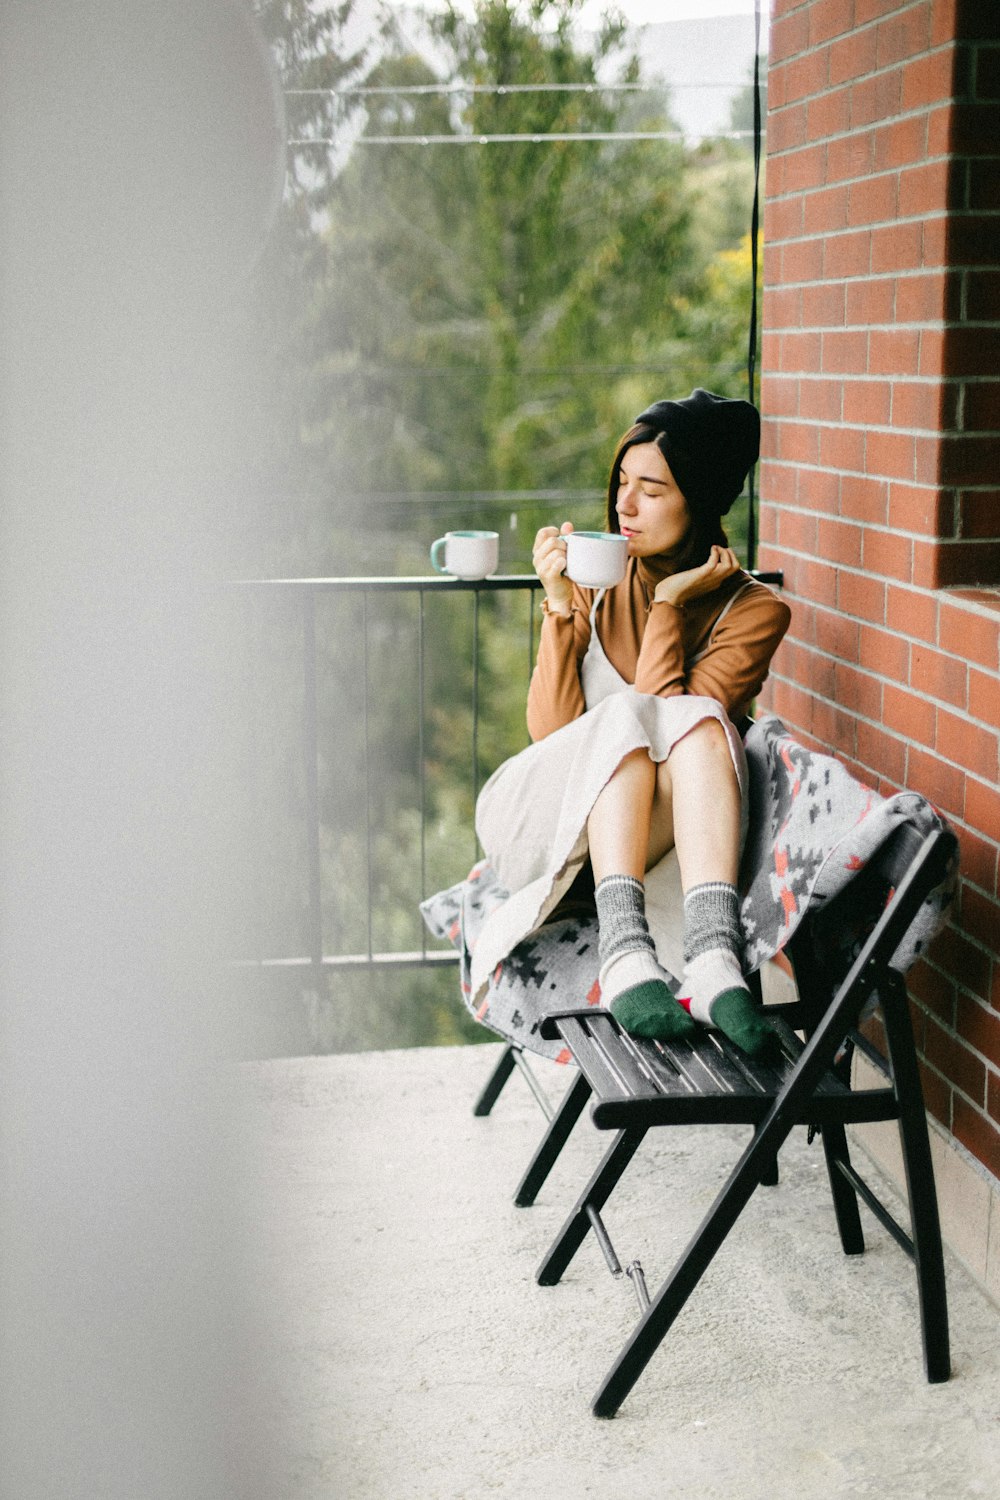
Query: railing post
[{"x": 310, "y": 761}]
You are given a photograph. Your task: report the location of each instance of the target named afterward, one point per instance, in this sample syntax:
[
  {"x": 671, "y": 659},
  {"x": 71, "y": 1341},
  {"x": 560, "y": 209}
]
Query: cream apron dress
[{"x": 531, "y": 816}]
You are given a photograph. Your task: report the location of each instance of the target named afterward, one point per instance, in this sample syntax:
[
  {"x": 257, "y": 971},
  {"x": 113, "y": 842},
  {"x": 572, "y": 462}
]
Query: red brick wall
[{"x": 880, "y": 480}]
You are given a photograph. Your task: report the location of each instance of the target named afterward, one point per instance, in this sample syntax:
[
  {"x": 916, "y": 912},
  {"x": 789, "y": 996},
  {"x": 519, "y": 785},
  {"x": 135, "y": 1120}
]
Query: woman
[{"x": 631, "y": 707}]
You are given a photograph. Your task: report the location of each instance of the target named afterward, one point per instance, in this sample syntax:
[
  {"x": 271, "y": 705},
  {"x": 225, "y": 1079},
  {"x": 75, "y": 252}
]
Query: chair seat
[{"x": 707, "y": 1081}]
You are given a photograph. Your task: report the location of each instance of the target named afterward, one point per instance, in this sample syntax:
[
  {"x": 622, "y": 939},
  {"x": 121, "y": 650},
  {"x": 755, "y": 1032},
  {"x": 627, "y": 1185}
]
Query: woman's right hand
[{"x": 549, "y": 560}]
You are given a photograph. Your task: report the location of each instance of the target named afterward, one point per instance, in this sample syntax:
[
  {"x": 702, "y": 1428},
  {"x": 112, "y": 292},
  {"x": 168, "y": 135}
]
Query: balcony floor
[{"x": 421, "y": 1362}]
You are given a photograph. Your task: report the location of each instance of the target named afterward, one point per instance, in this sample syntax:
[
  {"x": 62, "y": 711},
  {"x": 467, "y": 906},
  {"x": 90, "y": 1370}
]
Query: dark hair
[{"x": 706, "y": 531}]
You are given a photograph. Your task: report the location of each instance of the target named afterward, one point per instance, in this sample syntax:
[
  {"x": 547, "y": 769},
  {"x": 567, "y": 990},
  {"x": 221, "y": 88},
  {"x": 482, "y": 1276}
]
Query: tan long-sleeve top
[{"x": 702, "y": 647}]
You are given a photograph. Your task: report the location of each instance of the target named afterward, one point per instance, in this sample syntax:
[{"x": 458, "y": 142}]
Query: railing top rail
[{"x": 421, "y": 584}]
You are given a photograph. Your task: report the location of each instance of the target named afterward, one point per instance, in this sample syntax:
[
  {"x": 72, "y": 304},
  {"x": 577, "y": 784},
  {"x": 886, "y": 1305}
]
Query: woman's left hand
[{"x": 680, "y": 587}]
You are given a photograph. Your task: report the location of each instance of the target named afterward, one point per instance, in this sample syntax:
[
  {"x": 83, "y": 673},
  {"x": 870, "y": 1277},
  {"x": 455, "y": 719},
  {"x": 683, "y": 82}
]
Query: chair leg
[
  {"x": 553, "y": 1141},
  {"x": 928, "y": 1255},
  {"x": 649, "y": 1332},
  {"x": 597, "y": 1192},
  {"x": 495, "y": 1082},
  {"x": 845, "y": 1200}
]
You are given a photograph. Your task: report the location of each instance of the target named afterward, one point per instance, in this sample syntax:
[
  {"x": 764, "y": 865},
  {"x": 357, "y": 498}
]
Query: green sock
[{"x": 633, "y": 985}]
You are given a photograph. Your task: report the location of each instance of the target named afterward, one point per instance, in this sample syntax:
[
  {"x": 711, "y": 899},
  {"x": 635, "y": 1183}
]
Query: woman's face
[{"x": 652, "y": 512}]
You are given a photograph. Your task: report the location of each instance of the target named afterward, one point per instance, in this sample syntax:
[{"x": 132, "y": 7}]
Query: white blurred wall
[{"x": 137, "y": 167}]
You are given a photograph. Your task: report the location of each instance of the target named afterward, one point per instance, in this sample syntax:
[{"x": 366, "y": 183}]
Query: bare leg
[{"x": 693, "y": 799}]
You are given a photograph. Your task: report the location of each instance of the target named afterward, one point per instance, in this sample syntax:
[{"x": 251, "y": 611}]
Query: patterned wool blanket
[{"x": 813, "y": 828}]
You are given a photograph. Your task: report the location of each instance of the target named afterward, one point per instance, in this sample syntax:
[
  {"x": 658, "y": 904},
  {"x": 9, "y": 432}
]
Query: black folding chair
[{"x": 636, "y": 1085}]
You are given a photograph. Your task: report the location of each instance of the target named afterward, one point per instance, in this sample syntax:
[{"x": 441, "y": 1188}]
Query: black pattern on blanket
[{"x": 813, "y": 828}]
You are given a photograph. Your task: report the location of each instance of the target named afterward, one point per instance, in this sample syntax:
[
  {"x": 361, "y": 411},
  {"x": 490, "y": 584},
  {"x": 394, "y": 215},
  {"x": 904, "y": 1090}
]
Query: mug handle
[{"x": 437, "y": 549}]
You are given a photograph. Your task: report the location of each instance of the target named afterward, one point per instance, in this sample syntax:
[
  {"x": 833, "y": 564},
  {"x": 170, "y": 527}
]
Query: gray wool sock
[
  {"x": 714, "y": 989},
  {"x": 633, "y": 986}
]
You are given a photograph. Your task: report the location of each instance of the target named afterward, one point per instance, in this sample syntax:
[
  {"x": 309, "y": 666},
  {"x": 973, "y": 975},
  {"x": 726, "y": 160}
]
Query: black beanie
[{"x": 711, "y": 443}]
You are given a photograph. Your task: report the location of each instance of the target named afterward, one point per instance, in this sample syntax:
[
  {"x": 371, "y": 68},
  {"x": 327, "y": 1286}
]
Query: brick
[
  {"x": 827, "y": 115},
  {"x": 791, "y": 704},
  {"x": 919, "y": 508},
  {"x": 850, "y": 156},
  {"x": 978, "y": 858},
  {"x": 803, "y": 261},
  {"x": 871, "y": 301},
  {"x": 977, "y": 1134},
  {"x": 805, "y": 76},
  {"x": 934, "y": 990},
  {"x": 852, "y": 57},
  {"x": 834, "y": 726},
  {"x": 785, "y": 218},
  {"x": 924, "y": 189},
  {"x": 936, "y": 237},
  {"x": 842, "y": 448},
  {"x": 800, "y": 352},
  {"x": 982, "y": 808},
  {"x": 970, "y": 240},
  {"x": 926, "y": 80},
  {"x": 937, "y": 1094},
  {"x": 882, "y": 652},
  {"x": 980, "y": 919},
  {"x": 968, "y": 459},
  {"x": 797, "y": 532},
  {"x": 979, "y": 513},
  {"x": 984, "y": 697},
  {"x": 941, "y": 783},
  {"x": 955, "y": 1061},
  {"x": 798, "y": 443},
  {"x": 867, "y": 402},
  {"x": 926, "y": 458},
  {"x": 903, "y": 35},
  {"x": 786, "y": 128},
  {"x": 818, "y": 581},
  {"x": 858, "y": 691},
  {"x": 878, "y": 98},
  {"x": 926, "y": 564},
  {"x": 823, "y": 305},
  {"x": 979, "y": 1028},
  {"x": 993, "y": 1095},
  {"x": 840, "y": 542},
  {"x": 837, "y": 635},
  {"x": 844, "y": 353},
  {"x": 984, "y": 186},
  {"x": 897, "y": 247},
  {"x": 909, "y": 715},
  {"x": 864, "y": 498},
  {"x": 942, "y": 677},
  {"x": 916, "y": 403},
  {"x": 900, "y": 142},
  {"x": 827, "y": 19},
  {"x": 821, "y": 400},
  {"x": 872, "y": 201},
  {"x": 974, "y": 351},
  {"x": 872, "y": 10},
  {"x": 944, "y": 21},
  {"x": 982, "y": 294},
  {"x": 965, "y": 961},
  {"x": 880, "y": 752},
  {"x": 851, "y": 254},
  {"x": 982, "y": 403},
  {"x": 891, "y": 454},
  {"x": 803, "y": 169},
  {"x": 861, "y": 596},
  {"x": 967, "y": 745},
  {"x": 987, "y": 72},
  {"x": 828, "y": 210},
  {"x": 789, "y": 35},
  {"x": 911, "y": 613},
  {"x": 887, "y": 554},
  {"x": 939, "y": 129},
  {"x": 921, "y": 298},
  {"x": 967, "y": 563},
  {"x": 820, "y": 490}
]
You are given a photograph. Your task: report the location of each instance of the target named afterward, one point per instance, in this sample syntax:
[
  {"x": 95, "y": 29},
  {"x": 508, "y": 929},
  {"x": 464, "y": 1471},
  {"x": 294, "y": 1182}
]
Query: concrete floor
[{"x": 419, "y": 1359}]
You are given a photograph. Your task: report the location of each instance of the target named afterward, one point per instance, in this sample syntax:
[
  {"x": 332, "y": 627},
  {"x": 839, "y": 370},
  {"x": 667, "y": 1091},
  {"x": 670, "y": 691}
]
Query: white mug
[
  {"x": 467, "y": 554},
  {"x": 596, "y": 559}
]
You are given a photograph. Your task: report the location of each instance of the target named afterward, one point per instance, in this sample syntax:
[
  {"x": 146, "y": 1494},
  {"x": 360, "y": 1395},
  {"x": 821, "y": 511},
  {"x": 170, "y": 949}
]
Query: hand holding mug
[{"x": 548, "y": 558}]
